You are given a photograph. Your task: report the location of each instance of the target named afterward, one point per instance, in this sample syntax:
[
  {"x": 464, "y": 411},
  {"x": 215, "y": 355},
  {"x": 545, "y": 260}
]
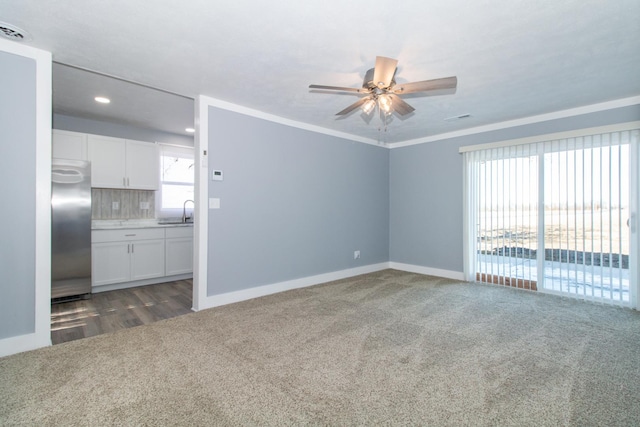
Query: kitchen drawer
[
  {"x": 100, "y": 236},
  {"x": 178, "y": 232}
]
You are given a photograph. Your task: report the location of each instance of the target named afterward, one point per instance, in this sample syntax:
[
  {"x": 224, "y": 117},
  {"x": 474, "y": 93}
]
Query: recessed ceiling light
[
  {"x": 102, "y": 99},
  {"x": 190, "y": 130}
]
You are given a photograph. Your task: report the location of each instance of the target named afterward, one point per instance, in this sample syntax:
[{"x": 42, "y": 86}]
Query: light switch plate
[
  {"x": 144, "y": 206},
  {"x": 115, "y": 206},
  {"x": 217, "y": 175},
  {"x": 214, "y": 203}
]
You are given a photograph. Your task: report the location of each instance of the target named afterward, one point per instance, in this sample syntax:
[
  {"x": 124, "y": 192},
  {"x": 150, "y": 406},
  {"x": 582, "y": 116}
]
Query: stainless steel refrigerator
[{"x": 70, "y": 229}]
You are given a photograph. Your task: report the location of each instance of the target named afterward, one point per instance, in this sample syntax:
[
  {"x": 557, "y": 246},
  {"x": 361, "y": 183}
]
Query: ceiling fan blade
[
  {"x": 399, "y": 105},
  {"x": 342, "y": 89},
  {"x": 353, "y": 106},
  {"x": 384, "y": 71},
  {"x": 426, "y": 85}
]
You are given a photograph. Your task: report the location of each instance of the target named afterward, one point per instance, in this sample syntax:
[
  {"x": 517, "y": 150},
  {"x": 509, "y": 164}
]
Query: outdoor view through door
[{"x": 555, "y": 216}]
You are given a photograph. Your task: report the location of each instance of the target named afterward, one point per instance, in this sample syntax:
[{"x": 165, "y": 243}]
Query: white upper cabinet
[
  {"x": 143, "y": 165},
  {"x": 69, "y": 145},
  {"x": 120, "y": 163},
  {"x": 107, "y": 156}
]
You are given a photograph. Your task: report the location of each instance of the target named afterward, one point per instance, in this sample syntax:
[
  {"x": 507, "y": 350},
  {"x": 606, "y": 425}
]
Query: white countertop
[{"x": 109, "y": 224}]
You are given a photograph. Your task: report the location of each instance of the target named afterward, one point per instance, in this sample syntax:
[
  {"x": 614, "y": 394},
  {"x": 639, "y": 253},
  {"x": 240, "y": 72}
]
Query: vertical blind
[{"x": 555, "y": 216}]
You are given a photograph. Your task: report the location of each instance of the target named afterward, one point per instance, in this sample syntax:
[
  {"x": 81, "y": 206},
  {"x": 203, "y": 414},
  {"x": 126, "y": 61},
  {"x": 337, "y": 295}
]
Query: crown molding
[
  {"x": 593, "y": 108},
  {"x": 572, "y": 112},
  {"x": 213, "y": 102}
]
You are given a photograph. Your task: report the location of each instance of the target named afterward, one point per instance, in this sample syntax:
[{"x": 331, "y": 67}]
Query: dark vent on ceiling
[
  {"x": 13, "y": 33},
  {"x": 461, "y": 116}
]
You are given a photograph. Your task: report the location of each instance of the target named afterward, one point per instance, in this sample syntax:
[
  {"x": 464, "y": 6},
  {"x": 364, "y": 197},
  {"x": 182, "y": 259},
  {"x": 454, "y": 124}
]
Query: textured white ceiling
[{"x": 513, "y": 58}]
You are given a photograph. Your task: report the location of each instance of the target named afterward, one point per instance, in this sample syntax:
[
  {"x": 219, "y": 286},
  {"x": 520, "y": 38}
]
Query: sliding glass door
[
  {"x": 507, "y": 219},
  {"x": 556, "y": 216},
  {"x": 586, "y": 216}
]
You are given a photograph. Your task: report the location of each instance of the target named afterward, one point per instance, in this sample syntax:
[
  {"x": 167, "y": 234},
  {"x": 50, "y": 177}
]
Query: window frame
[{"x": 168, "y": 150}]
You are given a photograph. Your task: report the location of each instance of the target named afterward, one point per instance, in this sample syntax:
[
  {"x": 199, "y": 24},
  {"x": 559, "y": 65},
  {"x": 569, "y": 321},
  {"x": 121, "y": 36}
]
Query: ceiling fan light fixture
[
  {"x": 381, "y": 90},
  {"x": 384, "y": 102},
  {"x": 368, "y": 106}
]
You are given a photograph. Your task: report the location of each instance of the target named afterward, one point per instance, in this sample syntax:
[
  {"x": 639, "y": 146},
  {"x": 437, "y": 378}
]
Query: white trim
[
  {"x": 593, "y": 108},
  {"x": 429, "y": 271},
  {"x": 43, "y": 197},
  {"x": 260, "y": 291},
  {"x": 469, "y": 218},
  {"x": 201, "y": 194},
  {"x": 21, "y": 343},
  {"x": 634, "y": 223},
  {"x": 603, "y": 106},
  {"x": 288, "y": 122},
  {"x": 42, "y": 334},
  {"x": 577, "y": 133}
]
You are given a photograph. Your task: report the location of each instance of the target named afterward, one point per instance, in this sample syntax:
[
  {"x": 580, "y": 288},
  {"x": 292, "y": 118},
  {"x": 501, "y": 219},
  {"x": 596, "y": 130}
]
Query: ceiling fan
[{"x": 381, "y": 89}]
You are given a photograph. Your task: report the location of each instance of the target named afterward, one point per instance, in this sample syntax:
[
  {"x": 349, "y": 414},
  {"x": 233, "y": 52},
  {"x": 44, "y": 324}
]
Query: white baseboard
[
  {"x": 260, "y": 291},
  {"x": 457, "y": 275},
  {"x": 22, "y": 343}
]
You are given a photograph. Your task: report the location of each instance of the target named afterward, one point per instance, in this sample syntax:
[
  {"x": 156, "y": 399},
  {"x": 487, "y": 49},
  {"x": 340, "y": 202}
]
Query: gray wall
[
  {"x": 18, "y": 177},
  {"x": 426, "y": 189},
  {"x": 96, "y": 127},
  {"x": 293, "y": 203}
]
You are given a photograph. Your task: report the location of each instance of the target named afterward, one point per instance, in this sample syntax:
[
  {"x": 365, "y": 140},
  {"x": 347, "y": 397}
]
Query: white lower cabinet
[
  {"x": 126, "y": 255},
  {"x": 178, "y": 251},
  {"x": 110, "y": 263},
  {"x": 147, "y": 259}
]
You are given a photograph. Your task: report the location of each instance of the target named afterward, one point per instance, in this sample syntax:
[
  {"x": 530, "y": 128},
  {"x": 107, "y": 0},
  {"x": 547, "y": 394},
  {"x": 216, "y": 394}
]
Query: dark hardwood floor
[{"x": 113, "y": 310}]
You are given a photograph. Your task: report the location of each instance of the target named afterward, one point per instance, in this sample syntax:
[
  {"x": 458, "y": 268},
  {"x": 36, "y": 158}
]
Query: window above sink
[{"x": 177, "y": 170}]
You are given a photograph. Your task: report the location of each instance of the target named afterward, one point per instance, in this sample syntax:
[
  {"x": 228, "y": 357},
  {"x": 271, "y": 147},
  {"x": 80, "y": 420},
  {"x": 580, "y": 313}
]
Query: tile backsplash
[{"x": 122, "y": 204}]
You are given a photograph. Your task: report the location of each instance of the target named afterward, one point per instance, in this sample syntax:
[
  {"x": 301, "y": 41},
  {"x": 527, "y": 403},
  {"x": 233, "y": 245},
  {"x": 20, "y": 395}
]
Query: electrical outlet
[
  {"x": 144, "y": 206},
  {"x": 356, "y": 254},
  {"x": 115, "y": 206}
]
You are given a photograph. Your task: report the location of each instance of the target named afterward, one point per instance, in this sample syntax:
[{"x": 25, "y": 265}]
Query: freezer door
[{"x": 70, "y": 228}]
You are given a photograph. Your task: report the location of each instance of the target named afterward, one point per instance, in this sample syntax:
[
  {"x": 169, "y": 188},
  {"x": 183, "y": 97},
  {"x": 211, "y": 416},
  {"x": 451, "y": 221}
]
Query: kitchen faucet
[{"x": 184, "y": 211}]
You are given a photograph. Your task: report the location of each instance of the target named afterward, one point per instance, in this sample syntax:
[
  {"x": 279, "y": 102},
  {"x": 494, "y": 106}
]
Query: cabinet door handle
[
  {"x": 132, "y": 245},
  {"x": 124, "y": 181},
  {"x": 128, "y": 248},
  {"x": 128, "y": 183}
]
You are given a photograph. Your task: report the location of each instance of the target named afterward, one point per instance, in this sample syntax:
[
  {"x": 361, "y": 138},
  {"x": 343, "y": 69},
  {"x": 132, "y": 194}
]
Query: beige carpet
[{"x": 388, "y": 348}]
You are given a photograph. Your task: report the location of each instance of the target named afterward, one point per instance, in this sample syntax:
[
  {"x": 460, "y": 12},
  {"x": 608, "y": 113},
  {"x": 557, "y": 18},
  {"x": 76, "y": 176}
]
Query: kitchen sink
[{"x": 169, "y": 221}]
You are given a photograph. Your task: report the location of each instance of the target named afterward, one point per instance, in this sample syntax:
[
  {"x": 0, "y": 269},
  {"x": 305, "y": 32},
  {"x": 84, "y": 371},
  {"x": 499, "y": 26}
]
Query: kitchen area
[{"x": 122, "y": 211}]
